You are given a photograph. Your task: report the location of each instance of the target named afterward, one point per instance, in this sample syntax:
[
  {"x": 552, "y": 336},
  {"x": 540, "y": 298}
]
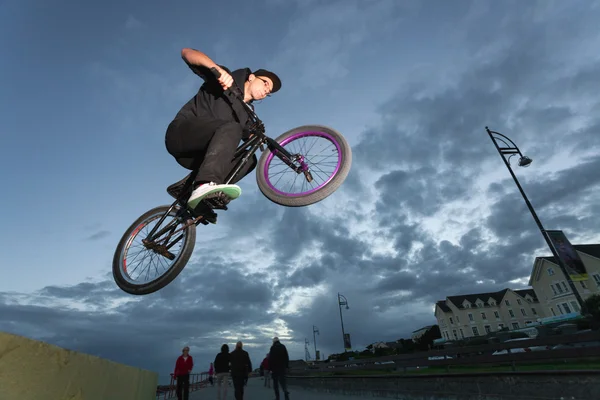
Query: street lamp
[
  {"x": 315, "y": 331},
  {"x": 342, "y": 301},
  {"x": 511, "y": 149}
]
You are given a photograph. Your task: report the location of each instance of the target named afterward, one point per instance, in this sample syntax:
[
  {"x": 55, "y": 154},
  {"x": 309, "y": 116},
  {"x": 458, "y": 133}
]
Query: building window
[
  {"x": 497, "y": 314},
  {"x": 533, "y": 311},
  {"x": 515, "y": 325},
  {"x": 451, "y": 321},
  {"x": 519, "y": 301},
  {"x": 566, "y": 308},
  {"x": 512, "y": 314},
  {"x": 582, "y": 283},
  {"x": 483, "y": 315},
  {"x": 550, "y": 271},
  {"x": 558, "y": 288},
  {"x": 475, "y": 331},
  {"x": 457, "y": 319},
  {"x": 492, "y": 303},
  {"x": 500, "y": 326},
  {"x": 553, "y": 313},
  {"x": 559, "y": 308},
  {"x": 554, "y": 290},
  {"x": 462, "y": 335},
  {"x": 565, "y": 287},
  {"x": 455, "y": 334},
  {"x": 507, "y": 302},
  {"x": 575, "y": 306},
  {"x": 488, "y": 329},
  {"x": 597, "y": 279},
  {"x": 471, "y": 317},
  {"x": 523, "y": 312}
]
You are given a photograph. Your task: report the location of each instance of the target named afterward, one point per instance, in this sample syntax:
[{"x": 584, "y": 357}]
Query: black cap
[{"x": 274, "y": 78}]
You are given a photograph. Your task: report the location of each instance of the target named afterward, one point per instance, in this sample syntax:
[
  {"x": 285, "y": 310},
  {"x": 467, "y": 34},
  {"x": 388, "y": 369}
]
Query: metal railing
[
  {"x": 478, "y": 355},
  {"x": 197, "y": 382}
]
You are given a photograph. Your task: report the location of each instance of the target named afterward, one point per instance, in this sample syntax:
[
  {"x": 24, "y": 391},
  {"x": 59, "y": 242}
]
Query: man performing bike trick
[
  {"x": 207, "y": 130},
  {"x": 216, "y": 135}
]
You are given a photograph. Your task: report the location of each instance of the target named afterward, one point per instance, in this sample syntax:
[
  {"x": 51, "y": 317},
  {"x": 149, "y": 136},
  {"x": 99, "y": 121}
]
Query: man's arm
[
  {"x": 249, "y": 362},
  {"x": 201, "y": 64}
]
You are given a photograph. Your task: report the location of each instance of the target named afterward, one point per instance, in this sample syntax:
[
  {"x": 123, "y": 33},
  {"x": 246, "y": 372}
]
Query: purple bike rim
[{"x": 294, "y": 137}]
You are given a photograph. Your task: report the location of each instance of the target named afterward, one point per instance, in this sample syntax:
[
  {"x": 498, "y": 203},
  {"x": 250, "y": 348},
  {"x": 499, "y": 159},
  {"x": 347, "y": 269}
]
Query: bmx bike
[{"x": 166, "y": 235}]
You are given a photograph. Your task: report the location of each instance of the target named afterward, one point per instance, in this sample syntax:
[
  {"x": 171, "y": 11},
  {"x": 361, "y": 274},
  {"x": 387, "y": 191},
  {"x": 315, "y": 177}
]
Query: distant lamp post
[
  {"x": 315, "y": 332},
  {"x": 342, "y": 301},
  {"x": 510, "y": 149}
]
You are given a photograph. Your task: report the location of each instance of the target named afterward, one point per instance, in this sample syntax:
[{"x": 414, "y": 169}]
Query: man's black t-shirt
[
  {"x": 221, "y": 363},
  {"x": 240, "y": 363},
  {"x": 210, "y": 103}
]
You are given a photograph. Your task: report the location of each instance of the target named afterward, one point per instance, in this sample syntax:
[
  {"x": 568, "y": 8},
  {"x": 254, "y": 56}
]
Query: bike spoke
[{"x": 142, "y": 263}]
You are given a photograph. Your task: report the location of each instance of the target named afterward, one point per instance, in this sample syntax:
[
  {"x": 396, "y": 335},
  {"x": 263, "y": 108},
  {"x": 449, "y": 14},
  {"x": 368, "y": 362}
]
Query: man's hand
[{"x": 225, "y": 80}]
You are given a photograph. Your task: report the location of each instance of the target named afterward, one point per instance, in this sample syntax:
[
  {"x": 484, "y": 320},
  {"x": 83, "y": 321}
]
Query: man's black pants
[
  {"x": 183, "y": 387},
  {"x": 279, "y": 378},
  {"x": 238, "y": 387},
  {"x": 209, "y": 144}
]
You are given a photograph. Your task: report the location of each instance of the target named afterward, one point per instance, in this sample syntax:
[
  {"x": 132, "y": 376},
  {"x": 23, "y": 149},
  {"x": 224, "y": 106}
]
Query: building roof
[
  {"x": 472, "y": 298},
  {"x": 590, "y": 249},
  {"x": 443, "y": 306}
]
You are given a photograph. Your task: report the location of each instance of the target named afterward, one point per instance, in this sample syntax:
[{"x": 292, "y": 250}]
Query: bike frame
[{"x": 246, "y": 150}]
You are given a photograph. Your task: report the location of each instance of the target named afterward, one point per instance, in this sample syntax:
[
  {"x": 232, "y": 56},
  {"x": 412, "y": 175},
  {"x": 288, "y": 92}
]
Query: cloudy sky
[{"x": 429, "y": 210}]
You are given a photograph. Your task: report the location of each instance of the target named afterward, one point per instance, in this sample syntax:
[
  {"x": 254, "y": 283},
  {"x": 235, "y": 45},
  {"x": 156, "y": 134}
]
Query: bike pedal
[{"x": 218, "y": 203}]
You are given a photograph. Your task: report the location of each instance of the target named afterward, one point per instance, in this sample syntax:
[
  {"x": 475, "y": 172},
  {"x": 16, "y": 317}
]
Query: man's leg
[
  {"x": 238, "y": 387},
  {"x": 283, "y": 381},
  {"x": 221, "y": 149},
  {"x": 179, "y": 387},
  {"x": 275, "y": 385},
  {"x": 186, "y": 387}
]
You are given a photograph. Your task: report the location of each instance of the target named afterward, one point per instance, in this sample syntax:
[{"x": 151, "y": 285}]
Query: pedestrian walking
[
  {"x": 183, "y": 368},
  {"x": 211, "y": 371},
  {"x": 241, "y": 367},
  {"x": 267, "y": 372},
  {"x": 222, "y": 372},
  {"x": 279, "y": 363}
]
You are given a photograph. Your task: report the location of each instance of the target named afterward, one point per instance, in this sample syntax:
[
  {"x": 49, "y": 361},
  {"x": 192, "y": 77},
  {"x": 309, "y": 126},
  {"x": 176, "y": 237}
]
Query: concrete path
[{"x": 256, "y": 391}]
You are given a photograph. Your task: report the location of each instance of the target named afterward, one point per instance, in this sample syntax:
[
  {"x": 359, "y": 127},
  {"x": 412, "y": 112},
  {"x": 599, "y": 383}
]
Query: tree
[
  {"x": 425, "y": 342},
  {"x": 592, "y": 304}
]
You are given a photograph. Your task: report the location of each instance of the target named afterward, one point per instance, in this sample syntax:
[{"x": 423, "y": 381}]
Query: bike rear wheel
[
  {"x": 165, "y": 255},
  {"x": 326, "y": 157}
]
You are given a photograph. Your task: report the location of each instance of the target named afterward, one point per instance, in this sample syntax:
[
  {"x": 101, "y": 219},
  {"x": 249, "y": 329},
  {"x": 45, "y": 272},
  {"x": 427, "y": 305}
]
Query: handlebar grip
[{"x": 232, "y": 90}]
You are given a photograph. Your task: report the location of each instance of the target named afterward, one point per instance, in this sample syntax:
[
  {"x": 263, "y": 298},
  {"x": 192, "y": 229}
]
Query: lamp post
[
  {"x": 511, "y": 149},
  {"x": 315, "y": 331},
  {"x": 342, "y": 301}
]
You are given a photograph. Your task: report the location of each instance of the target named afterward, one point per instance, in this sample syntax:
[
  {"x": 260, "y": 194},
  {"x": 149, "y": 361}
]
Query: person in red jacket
[
  {"x": 265, "y": 365},
  {"x": 183, "y": 368}
]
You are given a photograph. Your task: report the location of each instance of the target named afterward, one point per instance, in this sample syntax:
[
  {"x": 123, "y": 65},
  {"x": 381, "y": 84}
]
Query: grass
[{"x": 584, "y": 365}]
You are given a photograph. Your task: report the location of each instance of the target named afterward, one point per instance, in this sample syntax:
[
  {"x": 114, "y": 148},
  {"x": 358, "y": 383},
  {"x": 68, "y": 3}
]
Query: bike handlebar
[{"x": 237, "y": 93}]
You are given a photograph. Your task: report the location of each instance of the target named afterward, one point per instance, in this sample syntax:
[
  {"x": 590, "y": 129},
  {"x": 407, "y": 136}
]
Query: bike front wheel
[
  {"x": 322, "y": 154},
  {"x": 137, "y": 259}
]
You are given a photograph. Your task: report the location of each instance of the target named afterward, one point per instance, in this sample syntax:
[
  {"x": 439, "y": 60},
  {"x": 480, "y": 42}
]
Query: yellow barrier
[{"x": 33, "y": 370}]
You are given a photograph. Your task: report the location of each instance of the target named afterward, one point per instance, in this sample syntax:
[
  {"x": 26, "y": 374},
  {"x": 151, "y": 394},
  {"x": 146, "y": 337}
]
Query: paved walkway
[{"x": 256, "y": 391}]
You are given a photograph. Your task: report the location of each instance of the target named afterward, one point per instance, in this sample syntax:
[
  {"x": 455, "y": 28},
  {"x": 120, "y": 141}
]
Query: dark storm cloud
[
  {"x": 429, "y": 151},
  {"x": 150, "y": 331}
]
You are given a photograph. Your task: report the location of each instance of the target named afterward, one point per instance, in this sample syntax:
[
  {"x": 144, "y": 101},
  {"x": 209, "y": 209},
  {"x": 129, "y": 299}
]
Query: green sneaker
[{"x": 211, "y": 189}]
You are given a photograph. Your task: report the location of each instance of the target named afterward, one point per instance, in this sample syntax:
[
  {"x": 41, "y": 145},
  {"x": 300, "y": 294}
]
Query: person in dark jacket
[
  {"x": 207, "y": 130},
  {"x": 222, "y": 371},
  {"x": 241, "y": 366},
  {"x": 279, "y": 362}
]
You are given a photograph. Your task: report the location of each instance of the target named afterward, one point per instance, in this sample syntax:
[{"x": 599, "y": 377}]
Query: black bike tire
[
  {"x": 319, "y": 195},
  {"x": 167, "y": 277}
]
